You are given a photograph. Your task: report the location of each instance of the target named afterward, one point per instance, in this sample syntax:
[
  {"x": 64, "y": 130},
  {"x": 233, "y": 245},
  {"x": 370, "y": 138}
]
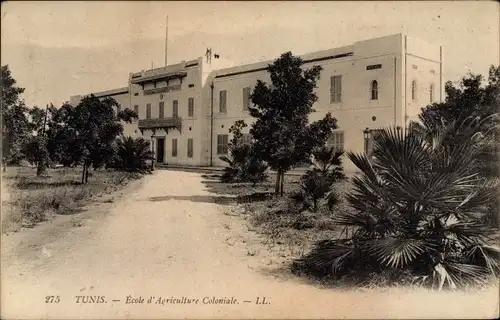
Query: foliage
[
  {"x": 314, "y": 186},
  {"x": 475, "y": 106},
  {"x": 85, "y": 134},
  {"x": 14, "y": 120},
  {"x": 329, "y": 163},
  {"x": 472, "y": 104},
  {"x": 244, "y": 165},
  {"x": 417, "y": 211},
  {"x": 283, "y": 138},
  {"x": 131, "y": 155},
  {"x": 318, "y": 182},
  {"x": 36, "y": 152}
]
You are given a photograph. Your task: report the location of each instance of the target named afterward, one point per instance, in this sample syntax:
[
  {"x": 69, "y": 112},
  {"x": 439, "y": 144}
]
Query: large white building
[{"x": 189, "y": 107}]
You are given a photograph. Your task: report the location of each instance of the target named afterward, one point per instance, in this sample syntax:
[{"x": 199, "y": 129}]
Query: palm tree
[
  {"x": 132, "y": 154},
  {"x": 417, "y": 205},
  {"x": 328, "y": 162}
]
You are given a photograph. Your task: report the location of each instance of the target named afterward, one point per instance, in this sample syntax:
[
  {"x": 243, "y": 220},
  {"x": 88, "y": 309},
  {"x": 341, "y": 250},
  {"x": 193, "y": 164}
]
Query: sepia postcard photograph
[{"x": 250, "y": 160}]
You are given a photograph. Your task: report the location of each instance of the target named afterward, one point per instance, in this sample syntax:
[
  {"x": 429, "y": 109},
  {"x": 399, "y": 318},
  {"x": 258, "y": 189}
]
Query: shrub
[
  {"x": 131, "y": 155},
  {"x": 417, "y": 208},
  {"x": 317, "y": 183},
  {"x": 244, "y": 166}
]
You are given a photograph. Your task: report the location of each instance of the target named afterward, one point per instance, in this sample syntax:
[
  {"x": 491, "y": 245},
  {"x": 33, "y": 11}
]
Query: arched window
[
  {"x": 374, "y": 90},
  {"x": 414, "y": 90},
  {"x": 431, "y": 93}
]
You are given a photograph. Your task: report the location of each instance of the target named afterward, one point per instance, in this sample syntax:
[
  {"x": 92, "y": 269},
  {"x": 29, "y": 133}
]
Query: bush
[
  {"x": 417, "y": 211},
  {"x": 317, "y": 183},
  {"x": 243, "y": 165},
  {"x": 131, "y": 155}
]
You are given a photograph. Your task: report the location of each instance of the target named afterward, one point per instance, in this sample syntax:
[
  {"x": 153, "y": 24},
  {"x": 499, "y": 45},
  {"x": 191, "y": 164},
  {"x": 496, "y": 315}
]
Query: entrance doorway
[{"x": 160, "y": 150}]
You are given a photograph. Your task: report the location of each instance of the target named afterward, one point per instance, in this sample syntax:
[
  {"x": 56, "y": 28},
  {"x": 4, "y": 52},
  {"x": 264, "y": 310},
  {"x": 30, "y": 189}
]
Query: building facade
[{"x": 188, "y": 108}]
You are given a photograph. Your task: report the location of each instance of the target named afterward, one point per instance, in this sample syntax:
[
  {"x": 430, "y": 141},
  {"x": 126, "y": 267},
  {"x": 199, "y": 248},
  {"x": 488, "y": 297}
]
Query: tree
[
  {"x": 318, "y": 182},
  {"x": 14, "y": 120},
  {"x": 473, "y": 106},
  {"x": 329, "y": 163},
  {"x": 35, "y": 150},
  {"x": 244, "y": 165},
  {"x": 85, "y": 134},
  {"x": 283, "y": 138},
  {"x": 417, "y": 207}
]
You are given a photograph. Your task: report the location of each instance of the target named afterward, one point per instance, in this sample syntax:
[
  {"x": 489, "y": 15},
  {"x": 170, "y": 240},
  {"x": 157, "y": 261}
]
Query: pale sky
[{"x": 59, "y": 49}]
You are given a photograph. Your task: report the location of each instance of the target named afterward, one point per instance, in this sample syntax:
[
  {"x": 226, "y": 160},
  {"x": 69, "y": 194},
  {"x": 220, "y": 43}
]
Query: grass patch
[{"x": 33, "y": 199}]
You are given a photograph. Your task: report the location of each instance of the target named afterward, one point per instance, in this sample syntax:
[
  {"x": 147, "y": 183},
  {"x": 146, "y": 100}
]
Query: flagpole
[{"x": 166, "y": 40}]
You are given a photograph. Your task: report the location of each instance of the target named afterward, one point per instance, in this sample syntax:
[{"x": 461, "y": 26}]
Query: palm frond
[
  {"x": 327, "y": 257},
  {"x": 455, "y": 274},
  {"x": 397, "y": 253},
  {"x": 486, "y": 256}
]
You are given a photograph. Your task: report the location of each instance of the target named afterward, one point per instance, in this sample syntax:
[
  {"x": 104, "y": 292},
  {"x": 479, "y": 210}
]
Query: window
[
  {"x": 222, "y": 101},
  {"x": 222, "y": 143},
  {"x": 246, "y": 98},
  {"x": 148, "y": 111},
  {"x": 175, "y": 109},
  {"x": 191, "y": 107},
  {"x": 247, "y": 138},
  {"x": 136, "y": 109},
  {"x": 336, "y": 141},
  {"x": 190, "y": 148},
  {"x": 431, "y": 93},
  {"x": 374, "y": 90},
  {"x": 161, "y": 112},
  {"x": 174, "y": 147},
  {"x": 414, "y": 90},
  {"x": 118, "y": 109},
  {"x": 336, "y": 89}
]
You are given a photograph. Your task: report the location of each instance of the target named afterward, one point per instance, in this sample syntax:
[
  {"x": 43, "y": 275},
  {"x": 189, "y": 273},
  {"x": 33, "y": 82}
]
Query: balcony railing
[
  {"x": 160, "y": 123},
  {"x": 176, "y": 87}
]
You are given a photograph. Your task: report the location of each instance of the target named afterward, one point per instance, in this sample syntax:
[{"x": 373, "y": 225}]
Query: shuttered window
[
  {"x": 175, "y": 109},
  {"x": 336, "y": 141},
  {"x": 191, "y": 107},
  {"x": 222, "y": 143},
  {"x": 161, "y": 112},
  {"x": 174, "y": 147},
  {"x": 190, "y": 148},
  {"x": 246, "y": 98},
  {"x": 336, "y": 89},
  {"x": 148, "y": 111},
  {"x": 222, "y": 101}
]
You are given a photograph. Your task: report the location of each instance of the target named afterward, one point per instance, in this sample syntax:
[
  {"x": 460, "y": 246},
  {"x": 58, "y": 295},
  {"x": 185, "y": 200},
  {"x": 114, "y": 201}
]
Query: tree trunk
[
  {"x": 281, "y": 183},
  {"x": 40, "y": 169},
  {"x": 83, "y": 173},
  {"x": 277, "y": 186},
  {"x": 87, "y": 173}
]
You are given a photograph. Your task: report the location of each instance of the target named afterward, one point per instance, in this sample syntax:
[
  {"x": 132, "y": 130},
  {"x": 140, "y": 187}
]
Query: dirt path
[{"x": 165, "y": 238}]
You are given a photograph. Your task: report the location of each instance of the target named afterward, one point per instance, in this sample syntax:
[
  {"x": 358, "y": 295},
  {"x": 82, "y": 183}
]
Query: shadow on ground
[
  {"x": 24, "y": 185},
  {"x": 224, "y": 200}
]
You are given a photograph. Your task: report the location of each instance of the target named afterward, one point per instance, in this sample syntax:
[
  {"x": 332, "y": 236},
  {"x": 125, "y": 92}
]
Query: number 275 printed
[{"x": 52, "y": 299}]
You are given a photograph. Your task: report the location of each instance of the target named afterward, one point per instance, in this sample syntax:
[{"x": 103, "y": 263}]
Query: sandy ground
[{"x": 165, "y": 238}]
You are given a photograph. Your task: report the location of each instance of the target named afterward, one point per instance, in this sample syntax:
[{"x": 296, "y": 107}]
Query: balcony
[
  {"x": 148, "y": 77},
  {"x": 160, "y": 123},
  {"x": 176, "y": 87}
]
